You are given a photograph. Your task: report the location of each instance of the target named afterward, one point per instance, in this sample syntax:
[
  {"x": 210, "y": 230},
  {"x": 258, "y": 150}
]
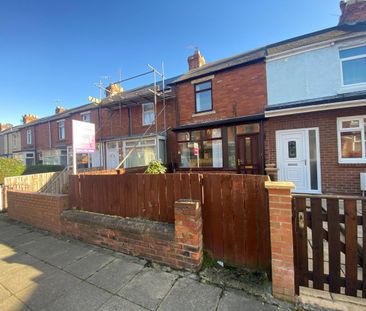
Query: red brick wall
[
  {"x": 37, "y": 209},
  {"x": 178, "y": 246},
  {"x": 336, "y": 178},
  {"x": 235, "y": 92},
  {"x": 23, "y": 138}
]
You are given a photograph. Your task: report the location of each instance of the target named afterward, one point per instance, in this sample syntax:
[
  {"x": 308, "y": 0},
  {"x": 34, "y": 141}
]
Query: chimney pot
[
  {"x": 196, "y": 60},
  {"x": 29, "y": 118},
  {"x": 353, "y": 11},
  {"x": 113, "y": 89},
  {"x": 59, "y": 109}
]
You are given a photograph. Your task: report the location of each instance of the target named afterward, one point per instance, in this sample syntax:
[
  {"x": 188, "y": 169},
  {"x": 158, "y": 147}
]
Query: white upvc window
[
  {"x": 351, "y": 139},
  {"x": 29, "y": 137},
  {"x": 61, "y": 129},
  {"x": 148, "y": 114},
  {"x": 85, "y": 116},
  {"x": 353, "y": 65}
]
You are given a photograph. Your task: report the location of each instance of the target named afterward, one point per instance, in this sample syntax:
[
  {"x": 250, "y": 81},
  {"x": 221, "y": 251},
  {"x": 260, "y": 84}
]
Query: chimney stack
[
  {"x": 4, "y": 126},
  {"x": 29, "y": 118},
  {"x": 353, "y": 11},
  {"x": 59, "y": 109},
  {"x": 196, "y": 60},
  {"x": 113, "y": 89}
]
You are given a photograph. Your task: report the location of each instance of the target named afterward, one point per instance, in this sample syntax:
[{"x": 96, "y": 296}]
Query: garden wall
[
  {"x": 41, "y": 210},
  {"x": 178, "y": 245}
]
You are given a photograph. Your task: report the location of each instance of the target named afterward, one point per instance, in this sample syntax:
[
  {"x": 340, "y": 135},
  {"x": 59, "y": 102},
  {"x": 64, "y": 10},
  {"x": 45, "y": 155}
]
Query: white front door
[
  {"x": 112, "y": 155},
  {"x": 298, "y": 159}
]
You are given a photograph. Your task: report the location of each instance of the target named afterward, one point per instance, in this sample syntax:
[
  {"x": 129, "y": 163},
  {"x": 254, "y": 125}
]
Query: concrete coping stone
[
  {"x": 159, "y": 230},
  {"x": 279, "y": 185}
]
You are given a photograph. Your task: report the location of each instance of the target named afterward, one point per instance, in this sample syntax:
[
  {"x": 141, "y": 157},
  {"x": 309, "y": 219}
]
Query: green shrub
[
  {"x": 40, "y": 168},
  {"x": 10, "y": 167},
  {"x": 155, "y": 167}
]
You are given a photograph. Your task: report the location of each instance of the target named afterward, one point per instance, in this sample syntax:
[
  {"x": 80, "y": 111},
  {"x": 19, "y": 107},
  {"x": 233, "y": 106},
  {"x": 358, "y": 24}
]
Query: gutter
[{"x": 315, "y": 108}]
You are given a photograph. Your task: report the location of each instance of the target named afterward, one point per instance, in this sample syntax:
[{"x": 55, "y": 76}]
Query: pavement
[{"x": 40, "y": 271}]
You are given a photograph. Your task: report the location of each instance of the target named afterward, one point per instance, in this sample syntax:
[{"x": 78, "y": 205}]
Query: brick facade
[
  {"x": 335, "y": 177},
  {"x": 280, "y": 215},
  {"x": 41, "y": 210},
  {"x": 236, "y": 92},
  {"x": 179, "y": 245}
]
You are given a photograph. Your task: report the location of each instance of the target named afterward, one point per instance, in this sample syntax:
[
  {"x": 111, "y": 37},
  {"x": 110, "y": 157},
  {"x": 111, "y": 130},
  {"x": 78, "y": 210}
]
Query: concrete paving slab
[
  {"x": 45, "y": 247},
  {"x": 6, "y": 251},
  {"x": 235, "y": 300},
  {"x": 24, "y": 238},
  {"x": 83, "y": 297},
  {"x": 13, "y": 263},
  {"x": 148, "y": 288},
  {"x": 117, "y": 304},
  {"x": 4, "y": 293},
  {"x": 88, "y": 265},
  {"x": 70, "y": 253},
  {"x": 10, "y": 232},
  {"x": 27, "y": 276},
  {"x": 39, "y": 295},
  {"x": 115, "y": 274},
  {"x": 13, "y": 304},
  {"x": 190, "y": 295}
]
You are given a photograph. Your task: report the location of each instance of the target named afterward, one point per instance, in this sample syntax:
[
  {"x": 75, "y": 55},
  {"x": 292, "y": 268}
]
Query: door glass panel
[
  {"x": 248, "y": 148},
  {"x": 292, "y": 149},
  {"x": 313, "y": 160}
]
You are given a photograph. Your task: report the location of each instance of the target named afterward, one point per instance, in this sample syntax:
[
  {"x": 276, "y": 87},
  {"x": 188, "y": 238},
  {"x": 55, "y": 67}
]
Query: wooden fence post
[{"x": 282, "y": 244}]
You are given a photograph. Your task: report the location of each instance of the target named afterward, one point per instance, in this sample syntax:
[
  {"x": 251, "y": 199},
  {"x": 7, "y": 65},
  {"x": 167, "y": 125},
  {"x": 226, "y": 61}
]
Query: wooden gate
[
  {"x": 236, "y": 219},
  {"x": 330, "y": 243}
]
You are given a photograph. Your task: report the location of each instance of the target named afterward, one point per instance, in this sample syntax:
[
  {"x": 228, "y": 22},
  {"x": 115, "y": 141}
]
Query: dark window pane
[
  {"x": 351, "y": 145},
  {"x": 354, "y": 71},
  {"x": 203, "y": 86},
  {"x": 292, "y": 149},
  {"x": 203, "y": 101},
  {"x": 196, "y": 135},
  {"x": 248, "y": 128},
  {"x": 184, "y": 136},
  {"x": 231, "y": 134},
  {"x": 353, "y": 52}
]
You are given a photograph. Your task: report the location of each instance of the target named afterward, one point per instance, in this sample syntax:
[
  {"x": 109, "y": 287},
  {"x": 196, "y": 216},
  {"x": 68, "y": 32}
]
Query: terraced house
[
  {"x": 220, "y": 114},
  {"x": 316, "y": 112}
]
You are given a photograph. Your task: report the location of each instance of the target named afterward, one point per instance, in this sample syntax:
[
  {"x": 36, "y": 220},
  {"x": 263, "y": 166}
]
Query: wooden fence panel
[
  {"x": 234, "y": 207},
  {"x": 236, "y": 219}
]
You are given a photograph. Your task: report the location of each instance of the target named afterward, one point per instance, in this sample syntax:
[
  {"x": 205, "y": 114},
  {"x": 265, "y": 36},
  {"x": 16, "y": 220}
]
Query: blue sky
[{"x": 53, "y": 52}]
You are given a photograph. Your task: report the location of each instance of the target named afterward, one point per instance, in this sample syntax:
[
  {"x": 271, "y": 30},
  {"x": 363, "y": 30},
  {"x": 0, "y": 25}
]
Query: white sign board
[{"x": 83, "y": 139}]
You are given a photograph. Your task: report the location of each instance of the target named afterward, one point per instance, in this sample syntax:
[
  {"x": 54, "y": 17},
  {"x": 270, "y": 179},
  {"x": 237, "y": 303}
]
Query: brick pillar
[
  {"x": 282, "y": 246},
  {"x": 188, "y": 233}
]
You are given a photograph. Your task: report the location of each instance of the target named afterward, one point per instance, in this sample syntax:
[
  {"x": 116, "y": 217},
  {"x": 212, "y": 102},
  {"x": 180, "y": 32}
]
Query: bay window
[
  {"x": 351, "y": 139},
  {"x": 200, "y": 149}
]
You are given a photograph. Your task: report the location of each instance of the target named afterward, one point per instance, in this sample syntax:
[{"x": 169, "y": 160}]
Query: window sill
[
  {"x": 204, "y": 113},
  {"x": 352, "y": 88},
  {"x": 355, "y": 162}
]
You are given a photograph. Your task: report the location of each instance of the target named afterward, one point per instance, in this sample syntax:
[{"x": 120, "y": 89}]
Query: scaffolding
[{"x": 159, "y": 91}]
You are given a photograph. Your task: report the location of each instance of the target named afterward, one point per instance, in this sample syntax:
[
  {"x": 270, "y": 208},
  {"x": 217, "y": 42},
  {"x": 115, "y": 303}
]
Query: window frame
[
  {"x": 201, "y": 91},
  {"x": 143, "y": 113},
  {"x": 341, "y": 60},
  {"x": 59, "y": 129},
  {"x": 340, "y": 130},
  {"x": 29, "y": 137},
  {"x": 200, "y": 142},
  {"x": 84, "y": 114}
]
